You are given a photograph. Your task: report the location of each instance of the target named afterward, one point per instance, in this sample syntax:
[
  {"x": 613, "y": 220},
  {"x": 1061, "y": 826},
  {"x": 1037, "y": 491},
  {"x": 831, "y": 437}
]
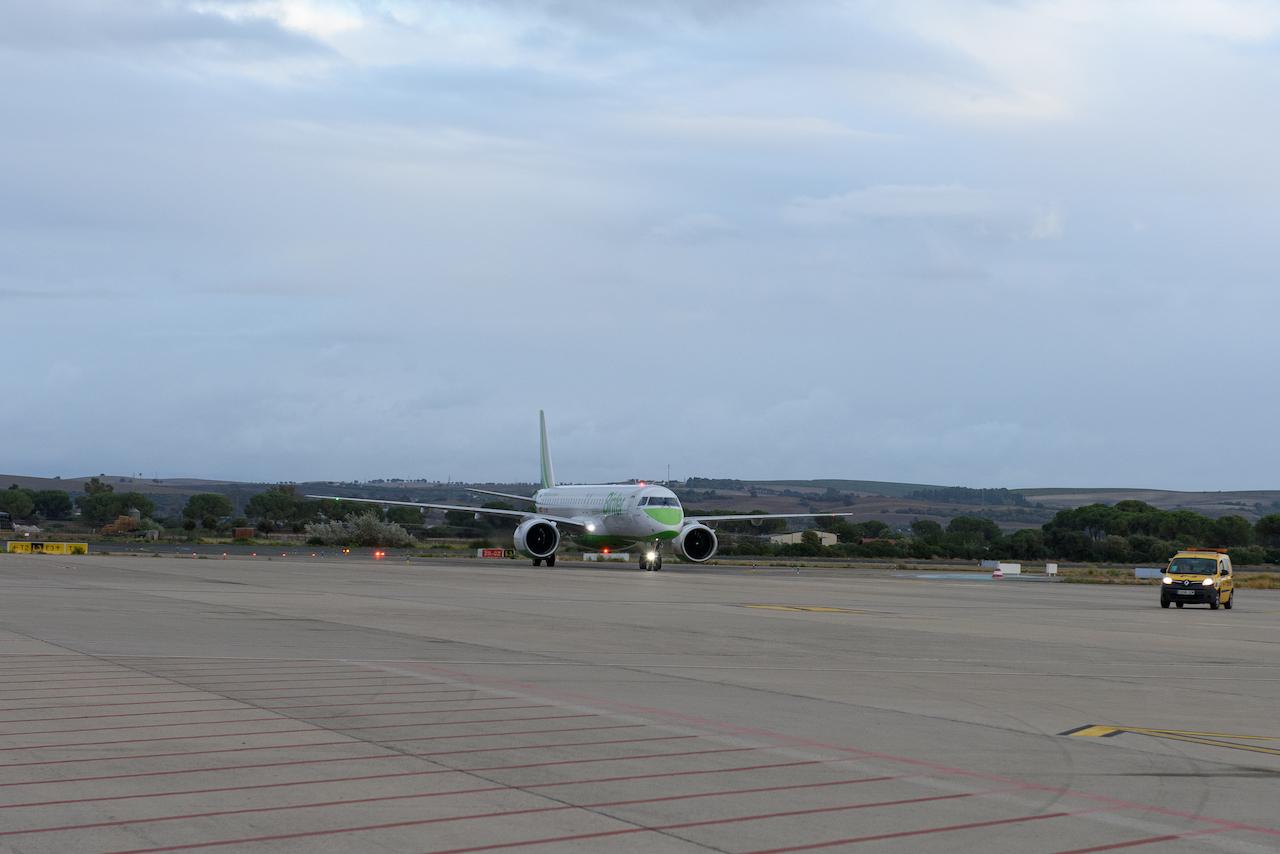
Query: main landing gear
[
  {"x": 651, "y": 560},
  {"x": 550, "y": 559}
]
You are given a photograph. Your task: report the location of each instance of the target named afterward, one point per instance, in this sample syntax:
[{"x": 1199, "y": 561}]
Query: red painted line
[
  {"x": 243, "y": 707},
  {"x": 507, "y": 813},
  {"x": 398, "y": 774},
  {"x": 424, "y": 795},
  {"x": 783, "y": 740},
  {"x": 1148, "y": 840},
  {"x": 253, "y": 720},
  {"x": 520, "y": 766}
]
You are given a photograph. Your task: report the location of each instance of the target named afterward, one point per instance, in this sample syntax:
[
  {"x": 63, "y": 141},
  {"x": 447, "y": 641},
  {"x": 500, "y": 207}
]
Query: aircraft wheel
[
  {"x": 537, "y": 561},
  {"x": 551, "y": 561},
  {"x": 657, "y": 564}
]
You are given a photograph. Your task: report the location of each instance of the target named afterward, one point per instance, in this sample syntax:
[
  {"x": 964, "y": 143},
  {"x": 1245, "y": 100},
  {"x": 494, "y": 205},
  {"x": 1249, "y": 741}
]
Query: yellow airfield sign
[{"x": 27, "y": 547}]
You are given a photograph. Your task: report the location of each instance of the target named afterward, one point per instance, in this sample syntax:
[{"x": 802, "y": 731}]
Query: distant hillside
[{"x": 894, "y": 503}]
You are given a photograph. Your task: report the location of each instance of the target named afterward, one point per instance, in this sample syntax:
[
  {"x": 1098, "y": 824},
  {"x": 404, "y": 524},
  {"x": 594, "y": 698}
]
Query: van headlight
[
  {"x": 1167, "y": 580},
  {"x": 1208, "y": 582}
]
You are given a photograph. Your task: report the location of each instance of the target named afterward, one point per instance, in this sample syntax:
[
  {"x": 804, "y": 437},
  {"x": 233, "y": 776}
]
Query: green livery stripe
[{"x": 665, "y": 515}]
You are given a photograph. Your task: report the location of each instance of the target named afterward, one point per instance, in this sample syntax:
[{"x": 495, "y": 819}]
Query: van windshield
[{"x": 1193, "y": 566}]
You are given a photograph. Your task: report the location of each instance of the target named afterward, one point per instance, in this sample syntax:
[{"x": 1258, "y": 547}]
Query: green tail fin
[{"x": 548, "y": 473}]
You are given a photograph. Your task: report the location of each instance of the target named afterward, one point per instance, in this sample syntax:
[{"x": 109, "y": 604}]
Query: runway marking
[
  {"x": 312, "y": 729},
  {"x": 573, "y": 837},
  {"x": 399, "y": 774},
  {"x": 1147, "y": 840},
  {"x": 244, "y": 708},
  {"x": 316, "y": 730},
  {"x": 305, "y": 719},
  {"x": 815, "y": 609},
  {"x": 1210, "y": 739},
  {"x": 215, "y": 697},
  {"x": 471, "y": 791}
]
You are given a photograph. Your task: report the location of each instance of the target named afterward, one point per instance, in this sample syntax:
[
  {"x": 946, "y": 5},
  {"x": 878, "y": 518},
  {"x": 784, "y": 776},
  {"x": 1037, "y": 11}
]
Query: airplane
[{"x": 605, "y": 516}]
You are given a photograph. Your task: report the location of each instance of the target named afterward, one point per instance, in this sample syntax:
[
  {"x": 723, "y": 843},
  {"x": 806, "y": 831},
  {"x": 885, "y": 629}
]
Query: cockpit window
[{"x": 659, "y": 501}]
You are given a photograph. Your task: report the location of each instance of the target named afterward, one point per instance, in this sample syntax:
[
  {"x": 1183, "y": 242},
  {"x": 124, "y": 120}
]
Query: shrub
[{"x": 364, "y": 530}]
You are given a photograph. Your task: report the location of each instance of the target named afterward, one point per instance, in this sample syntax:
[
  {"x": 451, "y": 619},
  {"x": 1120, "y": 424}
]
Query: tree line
[{"x": 1127, "y": 532}]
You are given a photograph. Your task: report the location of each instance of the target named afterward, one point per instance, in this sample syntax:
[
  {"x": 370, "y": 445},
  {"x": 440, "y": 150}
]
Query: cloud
[
  {"x": 891, "y": 201},
  {"x": 694, "y": 227}
]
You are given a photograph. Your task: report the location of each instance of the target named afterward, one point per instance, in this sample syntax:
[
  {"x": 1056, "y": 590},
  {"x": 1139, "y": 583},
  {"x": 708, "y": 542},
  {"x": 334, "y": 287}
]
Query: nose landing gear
[{"x": 651, "y": 560}]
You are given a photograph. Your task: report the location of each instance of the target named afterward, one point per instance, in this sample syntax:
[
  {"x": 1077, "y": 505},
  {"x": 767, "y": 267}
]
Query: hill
[{"x": 896, "y": 504}]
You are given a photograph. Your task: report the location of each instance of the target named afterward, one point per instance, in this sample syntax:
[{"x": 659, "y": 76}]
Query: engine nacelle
[
  {"x": 537, "y": 538},
  {"x": 696, "y": 543}
]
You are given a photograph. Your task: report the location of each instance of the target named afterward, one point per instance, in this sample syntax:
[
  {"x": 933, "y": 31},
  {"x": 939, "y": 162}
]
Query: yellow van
[{"x": 1198, "y": 575}]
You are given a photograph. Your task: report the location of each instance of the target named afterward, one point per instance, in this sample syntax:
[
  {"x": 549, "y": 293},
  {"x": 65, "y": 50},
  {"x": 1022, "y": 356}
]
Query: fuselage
[{"x": 616, "y": 514}]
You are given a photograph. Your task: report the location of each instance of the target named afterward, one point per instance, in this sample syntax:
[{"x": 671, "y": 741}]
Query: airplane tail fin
[{"x": 548, "y": 473}]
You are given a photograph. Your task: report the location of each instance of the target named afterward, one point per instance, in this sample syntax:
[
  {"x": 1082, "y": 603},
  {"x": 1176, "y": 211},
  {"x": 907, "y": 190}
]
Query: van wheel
[
  {"x": 1213, "y": 603},
  {"x": 1164, "y": 603},
  {"x": 1231, "y": 600},
  {"x": 1179, "y": 604}
]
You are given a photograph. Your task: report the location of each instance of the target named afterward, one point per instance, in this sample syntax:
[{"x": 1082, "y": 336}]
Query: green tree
[
  {"x": 811, "y": 538},
  {"x": 93, "y": 486},
  {"x": 53, "y": 504},
  {"x": 404, "y": 515},
  {"x": 277, "y": 506},
  {"x": 135, "y": 501},
  {"x": 207, "y": 504},
  {"x": 927, "y": 531},
  {"x": 99, "y": 508},
  {"x": 1267, "y": 530},
  {"x": 18, "y": 503},
  {"x": 1231, "y": 531}
]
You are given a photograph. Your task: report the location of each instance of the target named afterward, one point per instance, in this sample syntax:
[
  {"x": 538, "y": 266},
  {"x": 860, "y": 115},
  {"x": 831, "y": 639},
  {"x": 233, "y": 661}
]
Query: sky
[{"x": 986, "y": 243}]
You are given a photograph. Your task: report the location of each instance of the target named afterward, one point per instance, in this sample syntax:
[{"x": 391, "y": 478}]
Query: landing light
[
  {"x": 651, "y": 555},
  {"x": 590, "y": 527}
]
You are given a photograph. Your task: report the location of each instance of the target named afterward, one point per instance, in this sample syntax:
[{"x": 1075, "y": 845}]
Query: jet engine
[
  {"x": 695, "y": 543},
  {"x": 537, "y": 538}
]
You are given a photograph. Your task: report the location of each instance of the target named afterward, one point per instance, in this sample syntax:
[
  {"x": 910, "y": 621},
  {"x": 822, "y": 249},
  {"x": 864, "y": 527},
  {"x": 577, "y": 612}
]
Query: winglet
[{"x": 548, "y": 473}]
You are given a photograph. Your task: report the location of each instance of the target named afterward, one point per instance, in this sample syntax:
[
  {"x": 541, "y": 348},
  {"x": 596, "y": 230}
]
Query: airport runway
[{"x": 171, "y": 704}]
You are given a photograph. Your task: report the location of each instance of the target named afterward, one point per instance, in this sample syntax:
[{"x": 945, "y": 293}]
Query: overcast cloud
[{"x": 990, "y": 244}]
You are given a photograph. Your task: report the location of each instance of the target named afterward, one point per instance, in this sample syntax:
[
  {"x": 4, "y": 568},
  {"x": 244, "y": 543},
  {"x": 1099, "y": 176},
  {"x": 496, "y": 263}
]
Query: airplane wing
[
  {"x": 491, "y": 511},
  {"x": 749, "y": 517},
  {"x": 501, "y": 494}
]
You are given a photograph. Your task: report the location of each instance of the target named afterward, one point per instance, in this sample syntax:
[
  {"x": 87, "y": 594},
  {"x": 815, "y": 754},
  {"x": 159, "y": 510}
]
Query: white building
[{"x": 827, "y": 538}]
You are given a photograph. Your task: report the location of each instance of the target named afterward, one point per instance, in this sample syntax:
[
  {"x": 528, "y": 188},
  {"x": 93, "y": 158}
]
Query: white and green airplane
[{"x": 604, "y": 516}]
